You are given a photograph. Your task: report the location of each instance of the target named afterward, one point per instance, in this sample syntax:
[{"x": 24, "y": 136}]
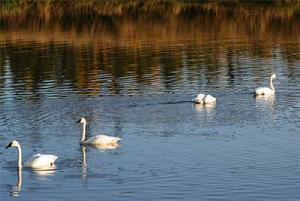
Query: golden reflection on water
[{"x": 103, "y": 53}]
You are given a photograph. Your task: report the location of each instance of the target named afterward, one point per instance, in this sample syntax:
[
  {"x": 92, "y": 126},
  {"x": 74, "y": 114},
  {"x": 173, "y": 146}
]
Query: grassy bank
[{"x": 47, "y": 9}]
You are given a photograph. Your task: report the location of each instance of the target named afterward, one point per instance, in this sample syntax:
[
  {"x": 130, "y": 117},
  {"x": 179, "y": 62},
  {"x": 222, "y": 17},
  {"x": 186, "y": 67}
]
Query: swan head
[
  {"x": 13, "y": 143},
  {"x": 273, "y": 76},
  {"x": 82, "y": 120}
]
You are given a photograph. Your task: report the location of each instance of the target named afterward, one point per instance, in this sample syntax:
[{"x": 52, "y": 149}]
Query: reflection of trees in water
[{"x": 105, "y": 49}]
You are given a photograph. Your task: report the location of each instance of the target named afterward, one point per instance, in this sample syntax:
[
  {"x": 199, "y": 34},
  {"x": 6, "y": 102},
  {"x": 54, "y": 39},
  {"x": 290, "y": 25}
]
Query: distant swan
[
  {"x": 205, "y": 99},
  {"x": 37, "y": 161},
  {"x": 98, "y": 139},
  {"x": 265, "y": 91}
]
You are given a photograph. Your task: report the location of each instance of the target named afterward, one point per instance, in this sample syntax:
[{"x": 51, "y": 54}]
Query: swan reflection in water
[
  {"x": 41, "y": 173},
  {"x": 265, "y": 108},
  {"x": 15, "y": 191},
  {"x": 84, "y": 169},
  {"x": 265, "y": 101},
  {"x": 83, "y": 163},
  {"x": 205, "y": 113},
  {"x": 209, "y": 108}
]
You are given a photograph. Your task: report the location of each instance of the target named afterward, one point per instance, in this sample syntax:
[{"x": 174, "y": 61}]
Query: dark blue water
[{"x": 240, "y": 149}]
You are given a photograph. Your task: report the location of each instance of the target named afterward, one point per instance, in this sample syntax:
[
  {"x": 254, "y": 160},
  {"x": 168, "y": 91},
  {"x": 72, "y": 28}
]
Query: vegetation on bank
[{"x": 46, "y": 9}]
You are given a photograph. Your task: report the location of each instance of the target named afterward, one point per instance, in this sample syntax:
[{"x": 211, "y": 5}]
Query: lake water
[{"x": 136, "y": 79}]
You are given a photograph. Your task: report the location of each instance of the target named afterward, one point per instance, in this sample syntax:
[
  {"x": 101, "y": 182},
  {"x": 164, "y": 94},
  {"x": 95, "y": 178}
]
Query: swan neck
[
  {"x": 271, "y": 84},
  {"x": 83, "y": 131},
  {"x": 19, "y": 156}
]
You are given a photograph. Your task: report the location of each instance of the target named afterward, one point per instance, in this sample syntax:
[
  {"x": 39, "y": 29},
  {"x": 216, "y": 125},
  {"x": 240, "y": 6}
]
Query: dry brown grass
[{"x": 47, "y": 9}]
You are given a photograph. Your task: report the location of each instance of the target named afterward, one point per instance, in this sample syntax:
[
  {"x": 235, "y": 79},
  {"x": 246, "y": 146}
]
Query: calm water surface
[{"x": 138, "y": 83}]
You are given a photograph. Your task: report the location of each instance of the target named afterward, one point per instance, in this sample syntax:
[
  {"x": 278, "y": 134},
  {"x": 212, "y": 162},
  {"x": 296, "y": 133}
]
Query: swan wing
[
  {"x": 41, "y": 161},
  {"x": 102, "y": 139},
  {"x": 209, "y": 99},
  {"x": 263, "y": 91}
]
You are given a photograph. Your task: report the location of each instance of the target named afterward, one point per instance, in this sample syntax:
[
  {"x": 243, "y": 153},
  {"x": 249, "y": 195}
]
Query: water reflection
[
  {"x": 269, "y": 100},
  {"x": 43, "y": 173},
  {"x": 206, "y": 112},
  {"x": 113, "y": 56},
  {"x": 266, "y": 101},
  {"x": 105, "y": 146},
  {"x": 265, "y": 108},
  {"x": 205, "y": 107},
  {"x": 84, "y": 169},
  {"x": 15, "y": 191}
]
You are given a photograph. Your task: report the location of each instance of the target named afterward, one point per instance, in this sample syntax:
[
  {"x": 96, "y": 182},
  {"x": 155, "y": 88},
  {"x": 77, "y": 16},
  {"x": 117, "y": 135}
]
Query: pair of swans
[
  {"x": 46, "y": 161},
  {"x": 205, "y": 99},
  {"x": 259, "y": 92}
]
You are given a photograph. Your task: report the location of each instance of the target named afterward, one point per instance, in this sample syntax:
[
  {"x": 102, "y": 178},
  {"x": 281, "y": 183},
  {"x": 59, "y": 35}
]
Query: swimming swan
[
  {"x": 37, "y": 161},
  {"x": 98, "y": 139},
  {"x": 265, "y": 91},
  {"x": 205, "y": 99}
]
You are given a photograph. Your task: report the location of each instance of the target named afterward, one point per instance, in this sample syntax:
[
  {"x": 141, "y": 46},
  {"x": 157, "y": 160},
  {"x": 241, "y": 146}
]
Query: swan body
[
  {"x": 37, "y": 161},
  {"x": 40, "y": 161},
  {"x": 265, "y": 91},
  {"x": 205, "y": 99},
  {"x": 199, "y": 99},
  {"x": 102, "y": 139},
  {"x": 98, "y": 139}
]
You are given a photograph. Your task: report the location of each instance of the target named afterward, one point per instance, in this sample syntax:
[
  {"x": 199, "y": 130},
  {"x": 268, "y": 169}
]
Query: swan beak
[
  {"x": 9, "y": 145},
  {"x": 78, "y": 121}
]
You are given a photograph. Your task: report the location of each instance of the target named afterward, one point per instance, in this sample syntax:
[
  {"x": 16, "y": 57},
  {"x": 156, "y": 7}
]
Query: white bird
[
  {"x": 205, "y": 99},
  {"x": 265, "y": 91},
  {"x": 37, "y": 161},
  {"x": 98, "y": 139}
]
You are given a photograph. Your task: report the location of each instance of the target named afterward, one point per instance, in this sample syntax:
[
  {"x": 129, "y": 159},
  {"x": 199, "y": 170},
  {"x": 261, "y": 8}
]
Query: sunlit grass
[{"x": 143, "y": 8}]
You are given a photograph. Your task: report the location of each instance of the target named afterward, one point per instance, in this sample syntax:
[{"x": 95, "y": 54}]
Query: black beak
[
  {"x": 78, "y": 121},
  {"x": 9, "y": 145}
]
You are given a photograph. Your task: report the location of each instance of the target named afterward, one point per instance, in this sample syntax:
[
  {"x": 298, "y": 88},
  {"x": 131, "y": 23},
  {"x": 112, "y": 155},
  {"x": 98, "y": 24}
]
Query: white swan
[
  {"x": 205, "y": 99},
  {"x": 265, "y": 91},
  {"x": 98, "y": 139},
  {"x": 37, "y": 161}
]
